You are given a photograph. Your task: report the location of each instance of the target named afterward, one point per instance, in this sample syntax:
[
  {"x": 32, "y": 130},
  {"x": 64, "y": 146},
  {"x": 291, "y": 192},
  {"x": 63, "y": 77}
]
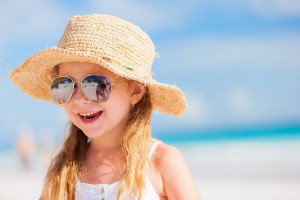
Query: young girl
[{"x": 100, "y": 73}]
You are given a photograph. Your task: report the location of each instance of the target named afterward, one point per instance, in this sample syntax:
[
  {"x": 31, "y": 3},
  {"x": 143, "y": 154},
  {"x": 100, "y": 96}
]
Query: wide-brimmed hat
[{"x": 108, "y": 41}]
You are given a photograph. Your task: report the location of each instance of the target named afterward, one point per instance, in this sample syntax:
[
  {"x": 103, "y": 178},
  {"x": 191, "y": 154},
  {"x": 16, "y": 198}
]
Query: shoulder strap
[{"x": 152, "y": 149}]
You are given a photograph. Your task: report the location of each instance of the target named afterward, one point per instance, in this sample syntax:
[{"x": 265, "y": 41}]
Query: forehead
[{"x": 73, "y": 68}]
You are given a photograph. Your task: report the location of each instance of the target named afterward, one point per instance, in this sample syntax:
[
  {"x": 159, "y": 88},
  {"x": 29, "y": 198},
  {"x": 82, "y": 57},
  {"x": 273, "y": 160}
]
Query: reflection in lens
[
  {"x": 96, "y": 88},
  {"x": 61, "y": 89}
]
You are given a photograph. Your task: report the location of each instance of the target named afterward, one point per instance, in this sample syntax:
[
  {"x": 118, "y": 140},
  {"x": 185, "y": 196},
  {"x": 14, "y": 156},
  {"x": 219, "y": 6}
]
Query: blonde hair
[{"x": 66, "y": 166}]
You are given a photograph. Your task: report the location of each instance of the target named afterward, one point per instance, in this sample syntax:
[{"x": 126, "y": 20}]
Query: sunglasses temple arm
[{"x": 115, "y": 83}]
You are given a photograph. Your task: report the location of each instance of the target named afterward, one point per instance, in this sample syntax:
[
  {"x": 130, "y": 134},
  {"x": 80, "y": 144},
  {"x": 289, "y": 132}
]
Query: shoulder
[
  {"x": 169, "y": 158},
  {"x": 166, "y": 155},
  {"x": 175, "y": 174}
]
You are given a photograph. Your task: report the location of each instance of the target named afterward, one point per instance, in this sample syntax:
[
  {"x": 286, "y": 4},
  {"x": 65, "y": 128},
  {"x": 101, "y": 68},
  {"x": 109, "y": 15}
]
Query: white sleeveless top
[{"x": 85, "y": 191}]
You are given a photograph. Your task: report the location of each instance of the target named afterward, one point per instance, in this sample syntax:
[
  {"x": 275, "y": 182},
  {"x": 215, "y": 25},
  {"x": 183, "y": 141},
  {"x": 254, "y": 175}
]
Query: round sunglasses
[{"x": 96, "y": 88}]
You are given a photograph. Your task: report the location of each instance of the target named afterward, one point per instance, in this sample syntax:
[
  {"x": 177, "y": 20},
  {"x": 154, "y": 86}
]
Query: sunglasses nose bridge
[{"x": 78, "y": 95}]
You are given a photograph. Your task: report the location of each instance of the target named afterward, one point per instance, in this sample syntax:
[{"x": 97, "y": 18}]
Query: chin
[
  {"x": 92, "y": 136},
  {"x": 92, "y": 133}
]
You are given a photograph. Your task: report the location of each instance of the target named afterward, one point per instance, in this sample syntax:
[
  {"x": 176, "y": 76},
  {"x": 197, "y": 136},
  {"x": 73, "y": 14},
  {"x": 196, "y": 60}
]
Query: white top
[{"x": 85, "y": 191}]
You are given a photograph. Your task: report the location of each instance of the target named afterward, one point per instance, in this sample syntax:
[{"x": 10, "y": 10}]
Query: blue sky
[{"x": 238, "y": 61}]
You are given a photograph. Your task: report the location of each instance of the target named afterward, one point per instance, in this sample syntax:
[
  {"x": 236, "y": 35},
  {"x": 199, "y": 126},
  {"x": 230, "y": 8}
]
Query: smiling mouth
[{"x": 90, "y": 116}]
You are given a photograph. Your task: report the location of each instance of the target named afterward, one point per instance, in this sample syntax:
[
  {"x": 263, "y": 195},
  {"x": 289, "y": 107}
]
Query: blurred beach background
[{"x": 238, "y": 63}]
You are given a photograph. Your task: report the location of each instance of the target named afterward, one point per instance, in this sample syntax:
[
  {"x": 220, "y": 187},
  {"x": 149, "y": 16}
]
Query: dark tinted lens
[
  {"x": 62, "y": 89},
  {"x": 96, "y": 88}
]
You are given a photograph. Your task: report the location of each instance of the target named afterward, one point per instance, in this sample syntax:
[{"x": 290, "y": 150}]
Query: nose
[{"x": 78, "y": 96}]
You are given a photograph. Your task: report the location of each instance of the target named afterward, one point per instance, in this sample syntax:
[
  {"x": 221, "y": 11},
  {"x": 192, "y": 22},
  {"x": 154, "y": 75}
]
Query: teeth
[
  {"x": 88, "y": 119},
  {"x": 88, "y": 114}
]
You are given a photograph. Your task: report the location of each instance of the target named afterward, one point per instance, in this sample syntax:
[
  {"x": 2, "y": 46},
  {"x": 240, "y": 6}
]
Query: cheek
[
  {"x": 120, "y": 103},
  {"x": 70, "y": 114},
  {"x": 66, "y": 108}
]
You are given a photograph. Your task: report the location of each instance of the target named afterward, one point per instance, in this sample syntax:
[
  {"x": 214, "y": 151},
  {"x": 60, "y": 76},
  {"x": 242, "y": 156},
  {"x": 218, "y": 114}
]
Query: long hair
[
  {"x": 66, "y": 166},
  {"x": 135, "y": 143}
]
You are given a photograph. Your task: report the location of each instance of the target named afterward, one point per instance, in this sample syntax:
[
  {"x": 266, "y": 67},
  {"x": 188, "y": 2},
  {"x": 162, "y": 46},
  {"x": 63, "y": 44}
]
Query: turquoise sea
[
  {"x": 266, "y": 132},
  {"x": 177, "y": 137}
]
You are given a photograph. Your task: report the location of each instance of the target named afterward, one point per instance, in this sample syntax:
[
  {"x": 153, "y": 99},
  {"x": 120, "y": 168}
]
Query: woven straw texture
[{"x": 108, "y": 41}]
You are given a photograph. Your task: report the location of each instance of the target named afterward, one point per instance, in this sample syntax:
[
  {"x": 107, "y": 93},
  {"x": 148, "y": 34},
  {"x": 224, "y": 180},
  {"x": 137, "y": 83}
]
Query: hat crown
[{"x": 112, "y": 39}]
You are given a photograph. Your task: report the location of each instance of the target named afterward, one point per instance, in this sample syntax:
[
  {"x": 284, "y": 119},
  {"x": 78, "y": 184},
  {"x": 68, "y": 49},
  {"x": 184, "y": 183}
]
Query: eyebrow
[
  {"x": 72, "y": 75},
  {"x": 81, "y": 74}
]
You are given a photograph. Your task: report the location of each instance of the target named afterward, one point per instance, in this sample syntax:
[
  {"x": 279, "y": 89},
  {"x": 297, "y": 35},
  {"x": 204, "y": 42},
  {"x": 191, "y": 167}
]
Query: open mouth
[{"x": 91, "y": 116}]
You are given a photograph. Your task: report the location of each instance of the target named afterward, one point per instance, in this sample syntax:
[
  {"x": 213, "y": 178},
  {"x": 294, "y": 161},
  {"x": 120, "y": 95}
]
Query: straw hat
[{"x": 109, "y": 41}]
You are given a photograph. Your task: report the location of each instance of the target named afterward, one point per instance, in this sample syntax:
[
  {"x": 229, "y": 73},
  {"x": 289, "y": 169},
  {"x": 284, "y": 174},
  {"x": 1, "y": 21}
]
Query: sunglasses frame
[{"x": 74, "y": 82}]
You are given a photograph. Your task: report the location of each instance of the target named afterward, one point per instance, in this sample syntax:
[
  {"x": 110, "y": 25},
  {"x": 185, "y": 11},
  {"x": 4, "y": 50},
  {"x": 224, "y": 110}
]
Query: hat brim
[{"x": 35, "y": 75}]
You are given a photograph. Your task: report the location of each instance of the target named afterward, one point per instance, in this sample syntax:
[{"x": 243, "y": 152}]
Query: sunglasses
[{"x": 96, "y": 88}]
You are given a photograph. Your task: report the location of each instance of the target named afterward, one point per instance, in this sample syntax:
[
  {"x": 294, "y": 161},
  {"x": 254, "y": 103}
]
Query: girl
[{"x": 100, "y": 73}]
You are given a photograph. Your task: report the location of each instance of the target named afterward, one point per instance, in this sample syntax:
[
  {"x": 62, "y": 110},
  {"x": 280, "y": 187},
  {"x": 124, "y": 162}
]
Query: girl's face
[{"x": 97, "y": 119}]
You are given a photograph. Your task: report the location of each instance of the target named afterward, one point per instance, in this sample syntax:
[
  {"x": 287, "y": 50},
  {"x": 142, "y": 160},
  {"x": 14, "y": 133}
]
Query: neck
[
  {"x": 105, "y": 149},
  {"x": 106, "y": 142},
  {"x": 109, "y": 141}
]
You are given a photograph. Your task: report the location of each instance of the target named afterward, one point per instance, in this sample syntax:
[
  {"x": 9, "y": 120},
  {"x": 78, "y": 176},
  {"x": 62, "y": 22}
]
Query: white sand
[
  {"x": 222, "y": 171},
  {"x": 246, "y": 170}
]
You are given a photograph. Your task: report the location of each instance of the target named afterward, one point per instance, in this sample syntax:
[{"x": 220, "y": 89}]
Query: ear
[{"x": 137, "y": 92}]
